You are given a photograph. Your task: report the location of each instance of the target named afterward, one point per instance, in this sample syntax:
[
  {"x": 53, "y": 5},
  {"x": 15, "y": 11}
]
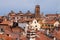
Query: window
[
  {"x": 35, "y": 25},
  {"x": 21, "y": 17},
  {"x": 24, "y": 27},
  {"x": 31, "y": 17},
  {"x": 49, "y": 25},
  {"x": 42, "y": 25},
  {"x": 15, "y": 24},
  {"x": 52, "y": 25},
  {"x": 7, "y": 34},
  {"x": 17, "y": 39},
  {"x": 35, "y": 22},
  {"x": 32, "y": 34},
  {"x": 45, "y": 24},
  {"x": 27, "y": 17},
  {"x": 36, "y": 29},
  {"x": 1, "y": 30},
  {"x": 27, "y": 21}
]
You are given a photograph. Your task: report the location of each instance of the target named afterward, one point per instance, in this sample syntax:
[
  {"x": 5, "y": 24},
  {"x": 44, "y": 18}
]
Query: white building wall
[
  {"x": 56, "y": 24},
  {"x": 35, "y": 25},
  {"x": 32, "y": 38}
]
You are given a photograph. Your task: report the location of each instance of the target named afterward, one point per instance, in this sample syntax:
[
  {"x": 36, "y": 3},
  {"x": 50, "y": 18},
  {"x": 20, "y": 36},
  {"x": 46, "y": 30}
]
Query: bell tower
[{"x": 37, "y": 11}]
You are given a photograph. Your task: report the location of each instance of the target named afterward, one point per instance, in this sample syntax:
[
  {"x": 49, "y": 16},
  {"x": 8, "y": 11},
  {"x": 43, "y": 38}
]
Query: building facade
[{"x": 30, "y": 26}]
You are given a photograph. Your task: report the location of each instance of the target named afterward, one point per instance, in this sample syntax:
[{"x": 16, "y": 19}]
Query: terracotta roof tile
[
  {"x": 6, "y": 22},
  {"x": 42, "y": 36},
  {"x": 51, "y": 14}
]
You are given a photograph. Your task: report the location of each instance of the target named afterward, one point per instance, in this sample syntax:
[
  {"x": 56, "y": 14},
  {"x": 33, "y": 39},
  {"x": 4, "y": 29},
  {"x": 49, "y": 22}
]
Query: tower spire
[{"x": 37, "y": 11}]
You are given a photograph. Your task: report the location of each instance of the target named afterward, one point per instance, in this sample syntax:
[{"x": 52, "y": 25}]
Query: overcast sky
[{"x": 47, "y": 6}]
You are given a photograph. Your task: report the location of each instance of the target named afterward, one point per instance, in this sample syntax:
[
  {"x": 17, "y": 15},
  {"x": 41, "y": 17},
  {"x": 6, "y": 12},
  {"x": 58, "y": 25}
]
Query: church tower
[{"x": 37, "y": 11}]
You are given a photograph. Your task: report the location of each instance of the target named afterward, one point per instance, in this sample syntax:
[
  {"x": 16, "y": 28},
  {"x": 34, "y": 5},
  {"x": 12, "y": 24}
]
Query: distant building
[{"x": 30, "y": 26}]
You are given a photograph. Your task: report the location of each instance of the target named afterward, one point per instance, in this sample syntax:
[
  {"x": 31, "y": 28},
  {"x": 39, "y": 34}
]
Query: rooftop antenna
[{"x": 57, "y": 13}]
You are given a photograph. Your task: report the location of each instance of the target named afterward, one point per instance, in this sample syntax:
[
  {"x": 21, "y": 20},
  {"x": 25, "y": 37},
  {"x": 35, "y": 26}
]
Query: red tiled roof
[
  {"x": 57, "y": 34},
  {"x": 6, "y": 22},
  {"x": 5, "y": 37},
  {"x": 52, "y": 14},
  {"x": 50, "y": 22},
  {"x": 42, "y": 36}
]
